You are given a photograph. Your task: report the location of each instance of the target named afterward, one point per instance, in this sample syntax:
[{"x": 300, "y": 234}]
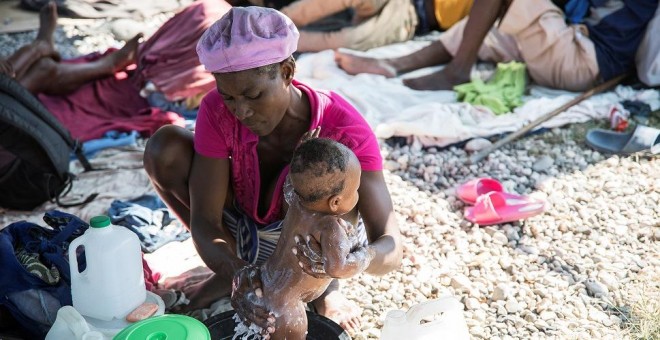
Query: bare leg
[
  {"x": 41, "y": 47},
  {"x": 50, "y": 77},
  {"x": 431, "y": 55},
  {"x": 482, "y": 18},
  {"x": 167, "y": 160},
  {"x": 335, "y": 306}
]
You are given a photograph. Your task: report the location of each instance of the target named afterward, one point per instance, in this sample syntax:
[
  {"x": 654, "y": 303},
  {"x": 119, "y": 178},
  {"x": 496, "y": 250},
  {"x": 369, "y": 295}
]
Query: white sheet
[{"x": 395, "y": 110}]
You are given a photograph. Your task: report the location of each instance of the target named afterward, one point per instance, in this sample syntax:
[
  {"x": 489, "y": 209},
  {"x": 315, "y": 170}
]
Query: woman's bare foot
[
  {"x": 353, "y": 64},
  {"x": 336, "y": 307},
  {"x": 440, "y": 80},
  {"x": 119, "y": 60}
]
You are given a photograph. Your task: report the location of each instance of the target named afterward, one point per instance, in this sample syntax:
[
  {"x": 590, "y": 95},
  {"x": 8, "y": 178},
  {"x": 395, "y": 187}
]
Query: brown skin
[
  {"x": 483, "y": 15},
  {"x": 194, "y": 186},
  {"x": 36, "y": 66},
  {"x": 286, "y": 287}
]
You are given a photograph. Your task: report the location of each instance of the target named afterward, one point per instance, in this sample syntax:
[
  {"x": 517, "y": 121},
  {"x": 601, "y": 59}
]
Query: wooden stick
[{"x": 514, "y": 135}]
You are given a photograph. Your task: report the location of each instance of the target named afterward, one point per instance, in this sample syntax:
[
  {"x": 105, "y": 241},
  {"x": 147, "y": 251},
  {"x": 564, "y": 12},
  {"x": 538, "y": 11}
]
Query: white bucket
[
  {"x": 112, "y": 284},
  {"x": 408, "y": 325}
]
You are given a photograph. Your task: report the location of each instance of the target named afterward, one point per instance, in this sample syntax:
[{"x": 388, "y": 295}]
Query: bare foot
[
  {"x": 47, "y": 24},
  {"x": 353, "y": 64},
  {"x": 127, "y": 55},
  {"x": 440, "y": 80},
  {"x": 336, "y": 307}
]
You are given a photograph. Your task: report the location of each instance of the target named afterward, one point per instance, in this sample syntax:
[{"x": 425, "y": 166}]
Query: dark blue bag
[{"x": 32, "y": 301}]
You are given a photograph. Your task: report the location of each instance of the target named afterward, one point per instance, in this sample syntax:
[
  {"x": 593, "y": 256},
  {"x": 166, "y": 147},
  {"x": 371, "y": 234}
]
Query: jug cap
[
  {"x": 168, "y": 326},
  {"x": 99, "y": 221}
]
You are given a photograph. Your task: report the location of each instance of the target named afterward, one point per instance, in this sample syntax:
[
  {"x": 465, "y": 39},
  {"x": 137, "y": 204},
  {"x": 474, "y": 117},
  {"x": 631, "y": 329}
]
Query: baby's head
[{"x": 325, "y": 175}]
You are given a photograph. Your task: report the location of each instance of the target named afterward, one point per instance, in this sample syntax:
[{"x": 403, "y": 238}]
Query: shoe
[
  {"x": 497, "y": 207},
  {"x": 643, "y": 138},
  {"x": 470, "y": 191}
]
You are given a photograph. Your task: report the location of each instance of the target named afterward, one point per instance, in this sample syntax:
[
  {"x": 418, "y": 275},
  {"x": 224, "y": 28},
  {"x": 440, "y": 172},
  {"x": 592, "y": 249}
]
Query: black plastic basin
[{"x": 319, "y": 327}]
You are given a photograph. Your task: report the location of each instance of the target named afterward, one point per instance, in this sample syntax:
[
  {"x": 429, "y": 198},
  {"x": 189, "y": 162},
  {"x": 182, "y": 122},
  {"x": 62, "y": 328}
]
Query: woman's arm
[
  {"x": 209, "y": 185},
  {"x": 375, "y": 207}
]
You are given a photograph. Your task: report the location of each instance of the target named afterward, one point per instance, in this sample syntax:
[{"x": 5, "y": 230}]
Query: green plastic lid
[
  {"x": 166, "y": 327},
  {"x": 99, "y": 221}
]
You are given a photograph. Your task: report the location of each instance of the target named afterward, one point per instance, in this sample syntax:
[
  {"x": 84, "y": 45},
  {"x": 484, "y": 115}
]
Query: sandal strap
[
  {"x": 643, "y": 138},
  {"x": 484, "y": 208}
]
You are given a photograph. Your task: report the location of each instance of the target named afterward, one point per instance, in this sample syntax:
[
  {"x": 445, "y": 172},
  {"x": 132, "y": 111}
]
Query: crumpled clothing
[
  {"x": 501, "y": 94},
  {"x": 35, "y": 267},
  {"x": 148, "y": 217}
]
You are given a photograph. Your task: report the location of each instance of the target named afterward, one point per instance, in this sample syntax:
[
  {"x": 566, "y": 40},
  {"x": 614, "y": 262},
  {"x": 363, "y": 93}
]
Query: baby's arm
[{"x": 338, "y": 260}]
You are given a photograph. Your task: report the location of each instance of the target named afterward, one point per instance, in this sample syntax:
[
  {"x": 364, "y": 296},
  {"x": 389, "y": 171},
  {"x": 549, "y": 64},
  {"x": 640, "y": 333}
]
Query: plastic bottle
[
  {"x": 112, "y": 283},
  {"x": 69, "y": 324},
  {"x": 407, "y": 325}
]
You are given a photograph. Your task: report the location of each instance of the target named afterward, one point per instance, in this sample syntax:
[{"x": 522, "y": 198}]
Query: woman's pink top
[{"x": 218, "y": 134}]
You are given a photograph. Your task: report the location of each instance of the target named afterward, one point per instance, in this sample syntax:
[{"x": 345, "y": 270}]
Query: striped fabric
[{"x": 255, "y": 243}]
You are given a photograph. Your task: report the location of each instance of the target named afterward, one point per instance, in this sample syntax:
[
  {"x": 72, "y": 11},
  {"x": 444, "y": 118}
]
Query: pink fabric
[
  {"x": 246, "y": 38},
  {"x": 150, "y": 277},
  {"x": 219, "y": 134},
  {"x": 169, "y": 60},
  {"x": 111, "y": 103}
]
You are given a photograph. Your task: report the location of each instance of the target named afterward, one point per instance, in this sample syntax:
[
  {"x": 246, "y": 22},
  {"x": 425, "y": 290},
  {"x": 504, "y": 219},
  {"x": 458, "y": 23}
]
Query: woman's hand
[
  {"x": 246, "y": 295},
  {"x": 7, "y": 68},
  {"x": 309, "y": 253}
]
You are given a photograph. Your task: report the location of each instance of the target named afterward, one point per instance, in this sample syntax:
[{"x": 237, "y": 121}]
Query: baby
[{"x": 324, "y": 178}]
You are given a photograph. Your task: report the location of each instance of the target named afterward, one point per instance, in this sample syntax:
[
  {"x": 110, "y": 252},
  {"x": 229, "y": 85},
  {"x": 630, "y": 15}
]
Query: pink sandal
[
  {"x": 470, "y": 191},
  {"x": 498, "y": 207}
]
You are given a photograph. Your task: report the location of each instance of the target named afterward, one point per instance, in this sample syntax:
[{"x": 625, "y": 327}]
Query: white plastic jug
[
  {"x": 70, "y": 325},
  {"x": 112, "y": 283},
  {"x": 451, "y": 325}
]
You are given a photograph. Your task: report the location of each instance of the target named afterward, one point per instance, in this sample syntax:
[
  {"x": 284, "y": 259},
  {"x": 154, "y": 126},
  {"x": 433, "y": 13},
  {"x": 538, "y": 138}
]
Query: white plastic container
[
  {"x": 450, "y": 325},
  {"x": 112, "y": 284}
]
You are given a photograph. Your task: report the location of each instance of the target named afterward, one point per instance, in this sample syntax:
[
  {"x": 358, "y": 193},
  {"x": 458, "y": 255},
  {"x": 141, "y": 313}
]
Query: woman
[{"x": 244, "y": 139}]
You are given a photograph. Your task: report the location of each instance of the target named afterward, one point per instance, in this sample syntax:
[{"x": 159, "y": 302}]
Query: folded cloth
[
  {"x": 501, "y": 94},
  {"x": 149, "y": 218}
]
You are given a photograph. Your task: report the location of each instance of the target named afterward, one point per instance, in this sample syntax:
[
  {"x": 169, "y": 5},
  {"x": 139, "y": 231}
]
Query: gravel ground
[
  {"x": 587, "y": 268},
  {"x": 573, "y": 272}
]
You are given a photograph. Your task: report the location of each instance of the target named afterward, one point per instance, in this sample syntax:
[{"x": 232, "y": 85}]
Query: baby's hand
[
  {"x": 310, "y": 135},
  {"x": 351, "y": 232}
]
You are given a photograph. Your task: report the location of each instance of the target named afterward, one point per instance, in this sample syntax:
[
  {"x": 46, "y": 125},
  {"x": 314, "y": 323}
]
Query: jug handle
[
  {"x": 73, "y": 259},
  {"x": 441, "y": 305}
]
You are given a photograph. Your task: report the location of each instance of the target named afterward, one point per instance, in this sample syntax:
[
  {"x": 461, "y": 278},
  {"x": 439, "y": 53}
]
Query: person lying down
[{"x": 323, "y": 183}]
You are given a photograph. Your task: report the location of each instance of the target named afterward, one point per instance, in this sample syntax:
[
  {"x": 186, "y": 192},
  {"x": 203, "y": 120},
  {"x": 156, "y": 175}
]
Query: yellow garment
[{"x": 449, "y": 12}]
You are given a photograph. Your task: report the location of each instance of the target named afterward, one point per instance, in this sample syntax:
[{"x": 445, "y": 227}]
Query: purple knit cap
[{"x": 246, "y": 38}]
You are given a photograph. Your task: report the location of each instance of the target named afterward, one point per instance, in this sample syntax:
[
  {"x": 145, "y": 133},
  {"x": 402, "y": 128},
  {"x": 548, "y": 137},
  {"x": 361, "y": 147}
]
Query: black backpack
[{"x": 34, "y": 151}]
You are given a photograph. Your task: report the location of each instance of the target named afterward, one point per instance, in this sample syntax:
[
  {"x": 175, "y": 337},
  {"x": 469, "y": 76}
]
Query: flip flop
[
  {"x": 495, "y": 208},
  {"x": 470, "y": 191},
  {"x": 643, "y": 138}
]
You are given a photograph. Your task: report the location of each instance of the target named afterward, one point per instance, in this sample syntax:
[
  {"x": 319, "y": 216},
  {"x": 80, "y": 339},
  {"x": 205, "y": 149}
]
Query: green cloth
[{"x": 501, "y": 94}]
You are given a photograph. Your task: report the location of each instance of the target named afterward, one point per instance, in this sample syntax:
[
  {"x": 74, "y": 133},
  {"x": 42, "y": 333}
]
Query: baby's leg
[{"x": 291, "y": 324}]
